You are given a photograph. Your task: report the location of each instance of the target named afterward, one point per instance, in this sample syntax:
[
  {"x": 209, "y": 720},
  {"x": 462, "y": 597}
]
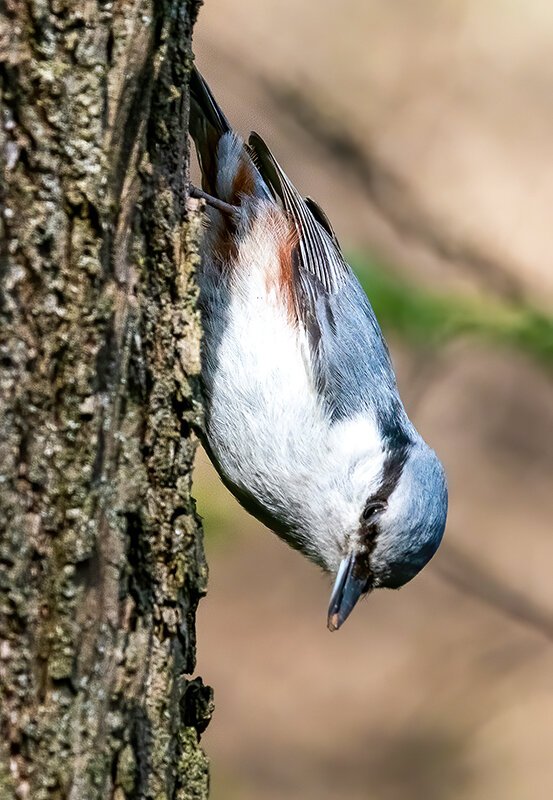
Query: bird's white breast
[{"x": 269, "y": 432}]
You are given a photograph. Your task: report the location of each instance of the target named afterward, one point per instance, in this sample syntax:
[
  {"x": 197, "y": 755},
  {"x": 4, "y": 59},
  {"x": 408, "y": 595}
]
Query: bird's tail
[
  {"x": 207, "y": 125},
  {"x": 228, "y": 171}
]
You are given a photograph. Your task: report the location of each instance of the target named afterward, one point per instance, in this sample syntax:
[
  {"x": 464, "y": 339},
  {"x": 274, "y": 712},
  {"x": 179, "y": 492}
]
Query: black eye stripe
[{"x": 391, "y": 473}]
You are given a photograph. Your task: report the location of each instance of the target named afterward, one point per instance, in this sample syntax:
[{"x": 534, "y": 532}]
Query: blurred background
[{"x": 425, "y": 130}]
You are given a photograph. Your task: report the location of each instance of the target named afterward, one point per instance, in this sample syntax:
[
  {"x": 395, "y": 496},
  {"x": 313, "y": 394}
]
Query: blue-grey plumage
[{"x": 303, "y": 418}]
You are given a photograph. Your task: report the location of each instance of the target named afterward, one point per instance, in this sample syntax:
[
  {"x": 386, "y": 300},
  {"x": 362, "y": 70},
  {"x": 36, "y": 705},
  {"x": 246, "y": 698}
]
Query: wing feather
[
  {"x": 349, "y": 357},
  {"x": 318, "y": 251}
]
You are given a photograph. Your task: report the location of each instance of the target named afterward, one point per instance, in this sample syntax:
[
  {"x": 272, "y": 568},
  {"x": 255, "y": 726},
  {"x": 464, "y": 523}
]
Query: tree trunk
[{"x": 101, "y": 559}]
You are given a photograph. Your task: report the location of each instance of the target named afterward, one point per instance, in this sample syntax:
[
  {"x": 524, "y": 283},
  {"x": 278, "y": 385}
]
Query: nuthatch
[{"x": 303, "y": 419}]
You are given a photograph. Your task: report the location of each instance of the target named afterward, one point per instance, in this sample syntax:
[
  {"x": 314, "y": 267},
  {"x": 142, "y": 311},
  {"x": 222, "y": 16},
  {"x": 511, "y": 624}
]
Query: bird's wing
[
  {"x": 322, "y": 219},
  {"x": 350, "y": 360},
  {"x": 318, "y": 251}
]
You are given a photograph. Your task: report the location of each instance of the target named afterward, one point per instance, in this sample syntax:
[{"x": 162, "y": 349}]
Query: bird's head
[{"x": 399, "y": 528}]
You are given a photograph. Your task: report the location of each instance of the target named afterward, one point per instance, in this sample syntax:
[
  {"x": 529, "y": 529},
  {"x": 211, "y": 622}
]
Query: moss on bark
[{"x": 101, "y": 559}]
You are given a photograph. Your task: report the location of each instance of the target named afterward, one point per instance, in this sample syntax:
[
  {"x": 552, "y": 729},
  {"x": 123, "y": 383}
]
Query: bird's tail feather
[
  {"x": 228, "y": 170},
  {"x": 207, "y": 125}
]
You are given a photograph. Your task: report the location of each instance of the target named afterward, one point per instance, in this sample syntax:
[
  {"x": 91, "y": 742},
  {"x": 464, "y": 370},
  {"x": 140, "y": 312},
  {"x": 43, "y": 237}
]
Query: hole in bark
[
  {"x": 65, "y": 684},
  {"x": 141, "y": 738},
  {"x": 45, "y": 246},
  {"x": 87, "y": 572},
  {"x": 181, "y": 408},
  {"x": 23, "y": 447},
  {"x": 139, "y": 559},
  {"x": 109, "y": 48},
  {"x": 179, "y": 512},
  {"x": 196, "y": 704}
]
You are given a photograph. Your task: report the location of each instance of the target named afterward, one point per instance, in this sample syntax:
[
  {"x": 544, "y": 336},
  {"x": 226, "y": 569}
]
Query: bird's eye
[{"x": 372, "y": 508}]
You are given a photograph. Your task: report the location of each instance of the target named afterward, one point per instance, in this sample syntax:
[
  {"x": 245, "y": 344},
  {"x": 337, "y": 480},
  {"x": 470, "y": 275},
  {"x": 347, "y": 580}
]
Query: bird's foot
[{"x": 214, "y": 202}]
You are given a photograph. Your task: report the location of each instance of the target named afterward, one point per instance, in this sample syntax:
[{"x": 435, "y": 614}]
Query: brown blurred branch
[
  {"x": 459, "y": 569},
  {"x": 389, "y": 192}
]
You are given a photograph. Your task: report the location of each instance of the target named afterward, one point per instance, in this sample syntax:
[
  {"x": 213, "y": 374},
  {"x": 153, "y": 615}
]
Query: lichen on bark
[{"x": 101, "y": 558}]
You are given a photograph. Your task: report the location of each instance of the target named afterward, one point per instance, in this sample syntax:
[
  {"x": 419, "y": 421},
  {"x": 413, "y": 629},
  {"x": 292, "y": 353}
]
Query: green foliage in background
[{"x": 431, "y": 318}]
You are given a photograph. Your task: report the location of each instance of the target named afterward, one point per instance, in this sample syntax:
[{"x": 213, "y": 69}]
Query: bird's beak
[{"x": 347, "y": 591}]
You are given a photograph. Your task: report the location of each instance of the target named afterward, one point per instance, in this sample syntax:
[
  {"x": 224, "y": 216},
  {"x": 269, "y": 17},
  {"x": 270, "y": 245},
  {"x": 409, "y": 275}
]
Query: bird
[{"x": 303, "y": 418}]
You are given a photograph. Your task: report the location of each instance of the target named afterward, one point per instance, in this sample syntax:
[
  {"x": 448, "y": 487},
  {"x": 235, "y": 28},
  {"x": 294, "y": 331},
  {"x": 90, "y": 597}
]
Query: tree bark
[{"x": 101, "y": 558}]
